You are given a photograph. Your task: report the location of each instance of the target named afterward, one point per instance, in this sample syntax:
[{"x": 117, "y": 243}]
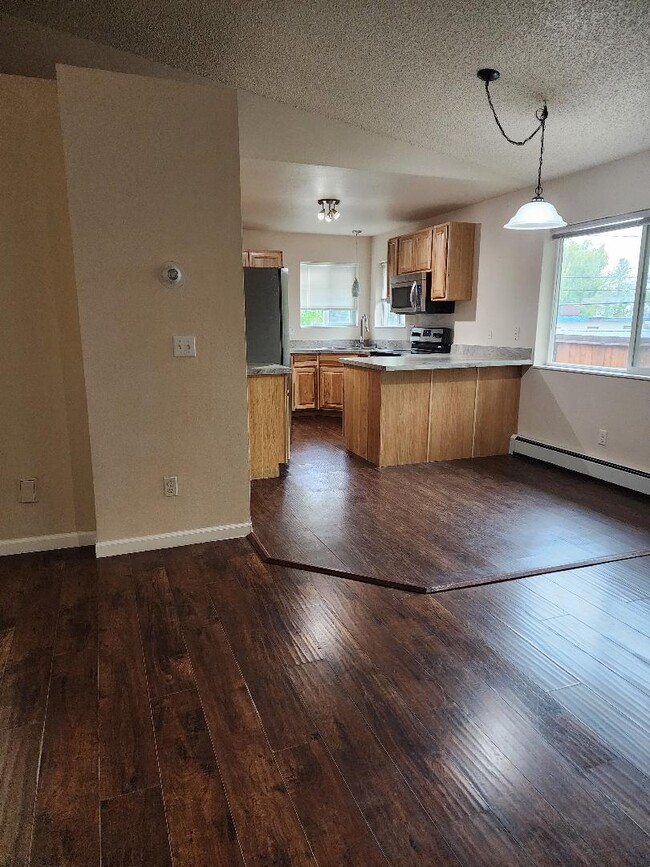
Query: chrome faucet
[{"x": 363, "y": 329}]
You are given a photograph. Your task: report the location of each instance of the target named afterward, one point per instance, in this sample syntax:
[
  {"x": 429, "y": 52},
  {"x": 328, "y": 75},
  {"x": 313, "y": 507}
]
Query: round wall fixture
[{"x": 171, "y": 275}]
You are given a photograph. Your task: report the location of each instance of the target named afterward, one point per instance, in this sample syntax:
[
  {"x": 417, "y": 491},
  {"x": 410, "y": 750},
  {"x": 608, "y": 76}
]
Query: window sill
[{"x": 594, "y": 371}]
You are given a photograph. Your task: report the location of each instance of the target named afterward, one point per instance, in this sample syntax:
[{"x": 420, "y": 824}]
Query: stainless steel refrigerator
[{"x": 266, "y": 293}]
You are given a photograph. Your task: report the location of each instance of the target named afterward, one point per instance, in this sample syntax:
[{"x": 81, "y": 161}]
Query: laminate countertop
[
  {"x": 432, "y": 362},
  {"x": 267, "y": 370}
]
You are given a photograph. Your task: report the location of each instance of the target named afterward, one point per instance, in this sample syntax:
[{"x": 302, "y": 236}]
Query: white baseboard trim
[
  {"x": 615, "y": 474},
  {"x": 172, "y": 540},
  {"x": 55, "y": 542}
]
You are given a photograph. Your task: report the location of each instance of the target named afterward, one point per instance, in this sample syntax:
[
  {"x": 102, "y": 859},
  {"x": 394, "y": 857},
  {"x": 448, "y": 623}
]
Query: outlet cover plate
[{"x": 184, "y": 347}]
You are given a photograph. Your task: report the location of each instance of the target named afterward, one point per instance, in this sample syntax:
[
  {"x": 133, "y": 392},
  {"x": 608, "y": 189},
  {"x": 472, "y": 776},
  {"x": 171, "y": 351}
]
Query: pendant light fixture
[
  {"x": 538, "y": 213},
  {"x": 355, "y": 282},
  {"x": 328, "y": 209}
]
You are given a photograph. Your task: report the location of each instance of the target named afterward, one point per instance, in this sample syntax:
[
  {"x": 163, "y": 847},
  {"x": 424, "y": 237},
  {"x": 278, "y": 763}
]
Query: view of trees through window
[{"x": 596, "y": 300}]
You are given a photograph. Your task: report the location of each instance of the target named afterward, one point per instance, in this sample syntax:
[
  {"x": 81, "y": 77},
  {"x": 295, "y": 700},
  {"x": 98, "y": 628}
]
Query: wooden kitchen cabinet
[
  {"x": 414, "y": 252},
  {"x": 268, "y": 425},
  {"x": 330, "y": 391},
  {"x": 391, "y": 263},
  {"x": 263, "y": 259},
  {"x": 405, "y": 417},
  {"x": 304, "y": 386},
  {"x": 452, "y": 271},
  {"x": 447, "y": 251},
  {"x": 317, "y": 380}
]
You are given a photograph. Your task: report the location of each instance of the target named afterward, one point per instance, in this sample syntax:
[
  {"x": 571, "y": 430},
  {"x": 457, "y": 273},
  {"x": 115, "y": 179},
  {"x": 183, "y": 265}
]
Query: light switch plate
[
  {"x": 27, "y": 491},
  {"x": 184, "y": 347}
]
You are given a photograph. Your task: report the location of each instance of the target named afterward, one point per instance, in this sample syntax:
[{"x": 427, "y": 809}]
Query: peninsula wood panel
[
  {"x": 361, "y": 413},
  {"x": 404, "y": 417},
  {"x": 355, "y": 410},
  {"x": 267, "y": 425},
  {"x": 497, "y": 409},
  {"x": 451, "y": 417}
]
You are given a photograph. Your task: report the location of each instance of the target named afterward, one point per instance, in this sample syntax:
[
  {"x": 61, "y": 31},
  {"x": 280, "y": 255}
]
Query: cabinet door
[
  {"x": 439, "y": 264},
  {"x": 304, "y": 387},
  {"x": 460, "y": 261},
  {"x": 331, "y": 388},
  {"x": 265, "y": 258},
  {"x": 405, "y": 254},
  {"x": 422, "y": 251},
  {"x": 391, "y": 263}
]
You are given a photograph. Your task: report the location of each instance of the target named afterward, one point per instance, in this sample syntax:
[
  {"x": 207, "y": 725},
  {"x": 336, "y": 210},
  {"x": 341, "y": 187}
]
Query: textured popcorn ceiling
[{"x": 407, "y": 69}]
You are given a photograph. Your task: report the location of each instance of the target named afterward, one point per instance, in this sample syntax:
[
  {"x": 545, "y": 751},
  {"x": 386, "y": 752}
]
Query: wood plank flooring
[
  {"x": 197, "y": 707},
  {"x": 438, "y": 526}
]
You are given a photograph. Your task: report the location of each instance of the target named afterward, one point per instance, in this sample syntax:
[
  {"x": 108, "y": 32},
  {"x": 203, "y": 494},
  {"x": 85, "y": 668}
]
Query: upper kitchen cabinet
[
  {"x": 262, "y": 259},
  {"x": 452, "y": 271},
  {"x": 447, "y": 251},
  {"x": 414, "y": 252},
  {"x": 391, "y": 262}
]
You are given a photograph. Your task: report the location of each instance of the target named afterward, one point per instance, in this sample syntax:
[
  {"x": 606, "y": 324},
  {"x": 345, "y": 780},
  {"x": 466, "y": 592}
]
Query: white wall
[
  {"x": 297, "y": 248},
  {"x": 143, "y": 190}
]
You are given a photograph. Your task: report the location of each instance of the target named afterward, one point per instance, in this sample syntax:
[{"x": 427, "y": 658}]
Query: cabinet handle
[{"x": 414, "y": 295}]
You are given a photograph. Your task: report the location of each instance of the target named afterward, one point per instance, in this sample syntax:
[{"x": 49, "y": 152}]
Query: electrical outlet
[
  {"x": 184, "y": 347},
  {"x": 602, "y": 437},
  {"x": 170, "y": 486},
  {"x": 490, "y": 334},
  {"x": 27, "y": 492},
  {"x": 517, "y": 333}
]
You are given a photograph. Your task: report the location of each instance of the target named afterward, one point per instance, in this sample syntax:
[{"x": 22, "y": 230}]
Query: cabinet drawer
[
  {"x": 304, "y": 360},
  {"x": 335, "y": 360}
]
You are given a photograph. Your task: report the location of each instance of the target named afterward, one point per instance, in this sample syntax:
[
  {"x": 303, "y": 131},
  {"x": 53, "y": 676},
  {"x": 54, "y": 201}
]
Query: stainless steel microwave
[{"x": 411, "y": 293}]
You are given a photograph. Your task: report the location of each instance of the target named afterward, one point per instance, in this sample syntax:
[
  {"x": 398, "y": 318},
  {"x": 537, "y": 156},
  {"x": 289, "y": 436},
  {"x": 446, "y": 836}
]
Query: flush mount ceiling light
[
  {"x": 538, "y": 213},
  {"x": 328, "y": 210}
]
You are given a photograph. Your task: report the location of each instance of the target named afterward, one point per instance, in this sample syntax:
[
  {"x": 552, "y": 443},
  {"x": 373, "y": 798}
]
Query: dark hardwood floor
[
  {"x": 198, "y": 707},
  {"x": 431, "y": 527}
]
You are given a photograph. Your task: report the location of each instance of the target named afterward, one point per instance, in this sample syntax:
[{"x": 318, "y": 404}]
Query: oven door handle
[{"x": 414, "y": 295}]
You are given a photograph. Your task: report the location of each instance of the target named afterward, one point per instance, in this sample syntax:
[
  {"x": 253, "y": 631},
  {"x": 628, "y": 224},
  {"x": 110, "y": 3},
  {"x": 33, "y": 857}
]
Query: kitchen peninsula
[{"x": 411, "y": 409}]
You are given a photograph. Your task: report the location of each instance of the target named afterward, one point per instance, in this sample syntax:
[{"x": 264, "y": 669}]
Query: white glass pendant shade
[
  {"x": 336, "y": 214},
  {"x": 321, "y": 214},
  {"x": 537, "y": 214}
]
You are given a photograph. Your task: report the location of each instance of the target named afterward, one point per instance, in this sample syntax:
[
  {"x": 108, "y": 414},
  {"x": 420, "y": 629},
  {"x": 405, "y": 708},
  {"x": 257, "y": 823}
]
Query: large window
[
  {"x": 601, "y": 310},
  {"x": 384, "y": 316},
  {"x": 326, "y": 295}
]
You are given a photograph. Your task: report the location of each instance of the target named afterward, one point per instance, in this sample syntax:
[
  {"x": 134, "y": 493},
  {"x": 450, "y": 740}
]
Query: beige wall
[
  {"x": 43, "y": 424},
  {"x": 297, "y": 248},
  {"x": 153, "y": 175}
]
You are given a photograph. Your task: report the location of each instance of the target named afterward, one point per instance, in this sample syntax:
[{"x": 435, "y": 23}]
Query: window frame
[
  {"x": 641, "y": 290},
  {"x": 354, "y": 306}
]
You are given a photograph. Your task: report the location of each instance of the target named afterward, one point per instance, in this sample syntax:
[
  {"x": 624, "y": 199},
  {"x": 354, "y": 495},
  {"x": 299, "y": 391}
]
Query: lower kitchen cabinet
[
  {"x": 268, "y": 425},
  {"x": 304, "y": 387},
  {"x": 406, "y": 417},
  {"x": 317, "y": 380},
  {"x": 330, "y": 390}
]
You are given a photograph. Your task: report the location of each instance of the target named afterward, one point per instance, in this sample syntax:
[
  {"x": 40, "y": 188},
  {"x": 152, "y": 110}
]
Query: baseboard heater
[{"x": 615, "y": 474}]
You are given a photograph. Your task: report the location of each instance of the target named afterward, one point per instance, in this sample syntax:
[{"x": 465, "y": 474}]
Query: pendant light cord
[{"x": 541, "y": 114}]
